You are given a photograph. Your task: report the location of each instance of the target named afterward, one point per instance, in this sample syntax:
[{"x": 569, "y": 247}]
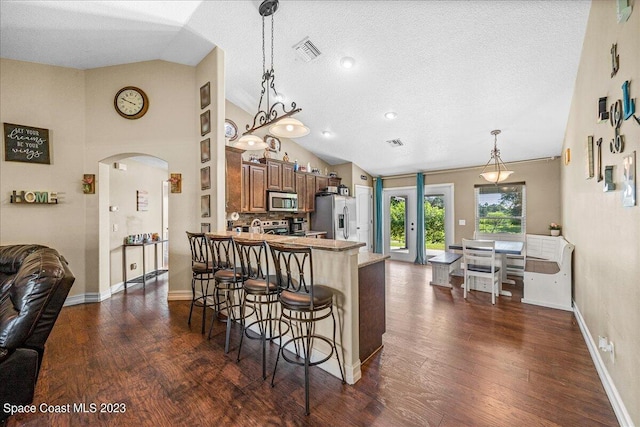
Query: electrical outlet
[
  {"x": 133, "y": 266},
  {"x": 115, "y": 227}
]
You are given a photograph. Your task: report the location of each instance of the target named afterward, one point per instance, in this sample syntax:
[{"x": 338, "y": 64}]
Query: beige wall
[
  {"x": 52, "y": 98},
  {"x": 542, "y": 180},
  {"x": 606, "y": 235},
  {"x": 123, "y": 187}
]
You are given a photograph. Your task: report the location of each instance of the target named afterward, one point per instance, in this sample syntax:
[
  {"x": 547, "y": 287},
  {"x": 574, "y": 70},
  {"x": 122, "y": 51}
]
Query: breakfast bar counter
[{"x": 335, "y": 264}]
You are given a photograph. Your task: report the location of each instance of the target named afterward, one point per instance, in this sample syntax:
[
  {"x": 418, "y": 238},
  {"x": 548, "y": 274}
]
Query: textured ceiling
[{"x": 452, "y": 70}]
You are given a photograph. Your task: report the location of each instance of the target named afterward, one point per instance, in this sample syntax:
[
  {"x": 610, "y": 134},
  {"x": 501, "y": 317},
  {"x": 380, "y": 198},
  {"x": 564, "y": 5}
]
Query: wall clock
[{"x": 131, "y": 102}]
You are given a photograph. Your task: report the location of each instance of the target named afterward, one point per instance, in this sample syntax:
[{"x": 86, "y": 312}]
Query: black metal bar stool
[
  {"x": 302, "y": 304},
  {"x": 201, "y": 271},
  {"x": 260, "y": 296},
  {"x": 228, "y": 280}
]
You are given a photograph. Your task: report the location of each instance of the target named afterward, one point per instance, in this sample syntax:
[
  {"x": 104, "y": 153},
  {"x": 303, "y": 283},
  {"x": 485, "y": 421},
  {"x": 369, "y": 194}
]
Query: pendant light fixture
[
  {"x": 498, "y": 172},
  {"x": 276, "y": 115}
]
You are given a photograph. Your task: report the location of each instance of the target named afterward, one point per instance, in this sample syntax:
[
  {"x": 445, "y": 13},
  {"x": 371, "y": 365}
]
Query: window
[{"x": 501, "y": 208}]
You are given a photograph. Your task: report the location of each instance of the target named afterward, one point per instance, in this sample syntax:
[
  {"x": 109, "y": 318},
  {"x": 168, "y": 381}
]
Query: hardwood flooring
[{"x": 445, "y": 362}]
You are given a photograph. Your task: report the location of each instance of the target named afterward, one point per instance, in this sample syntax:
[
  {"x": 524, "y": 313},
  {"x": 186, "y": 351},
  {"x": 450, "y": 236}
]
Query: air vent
[
  {"x": 395, "y": 142},
  {"x": 307, "y": 50}
]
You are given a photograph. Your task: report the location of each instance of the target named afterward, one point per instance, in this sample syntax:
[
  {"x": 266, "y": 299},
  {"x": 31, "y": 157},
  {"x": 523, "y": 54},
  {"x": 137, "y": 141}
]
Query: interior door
[
  {"x": 399, "y": 212},
  {"x": 364, "y": 216}
]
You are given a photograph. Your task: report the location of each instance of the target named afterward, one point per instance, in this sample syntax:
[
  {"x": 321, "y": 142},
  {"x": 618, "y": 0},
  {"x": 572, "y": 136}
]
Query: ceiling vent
[
  {"x": 307, "y": 50},
  {"x": 395, "y": 142}
]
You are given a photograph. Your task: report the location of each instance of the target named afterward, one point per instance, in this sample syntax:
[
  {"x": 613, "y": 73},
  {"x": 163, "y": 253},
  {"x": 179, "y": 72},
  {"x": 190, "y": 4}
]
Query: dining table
[{"x": 503, "y": 248}]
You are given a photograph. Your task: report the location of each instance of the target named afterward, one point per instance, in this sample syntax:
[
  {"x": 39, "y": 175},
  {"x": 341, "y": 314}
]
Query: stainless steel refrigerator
[{"x": 336, "y": 215}]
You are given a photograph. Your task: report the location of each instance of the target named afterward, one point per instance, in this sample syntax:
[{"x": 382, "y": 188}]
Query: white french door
[
  {"x": 439, "y": 218},
  {"x": 399, "y": 213}
]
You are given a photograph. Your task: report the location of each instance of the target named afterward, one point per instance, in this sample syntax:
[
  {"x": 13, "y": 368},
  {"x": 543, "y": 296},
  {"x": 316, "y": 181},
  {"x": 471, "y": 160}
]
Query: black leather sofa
[{"x": 34, "y": 283}]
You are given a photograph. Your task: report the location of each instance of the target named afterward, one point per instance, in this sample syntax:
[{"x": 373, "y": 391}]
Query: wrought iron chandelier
[
  {"x": 499, "y": 171},
  {"x": 275, "y": 115}
]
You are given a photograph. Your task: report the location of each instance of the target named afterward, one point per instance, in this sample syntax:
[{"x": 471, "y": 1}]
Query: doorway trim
[{"x": 447, "y": 190}]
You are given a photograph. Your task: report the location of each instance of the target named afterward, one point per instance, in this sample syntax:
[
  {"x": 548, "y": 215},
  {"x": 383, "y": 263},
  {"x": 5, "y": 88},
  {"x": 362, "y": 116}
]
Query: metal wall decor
[
  {"x": 603, "y": 113},
  {"x": 617, "y": 143},
  {"x": 629, "y": 186},
  {"x": 599, "y": 158},
  {"x": 615, "y": 59},
  {"x": 609, "y": 185},
  {"x": 628, "y": 104},
  {"x": 590, "y": 167}
]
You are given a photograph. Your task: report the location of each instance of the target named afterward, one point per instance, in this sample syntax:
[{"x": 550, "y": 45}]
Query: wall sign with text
[
  {"x": 26, "y": 144},
  {"x": 34, "y": 197}
]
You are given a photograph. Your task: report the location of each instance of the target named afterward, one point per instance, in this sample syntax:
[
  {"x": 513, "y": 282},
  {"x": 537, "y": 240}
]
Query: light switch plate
[{"x": 462, "y": 222}]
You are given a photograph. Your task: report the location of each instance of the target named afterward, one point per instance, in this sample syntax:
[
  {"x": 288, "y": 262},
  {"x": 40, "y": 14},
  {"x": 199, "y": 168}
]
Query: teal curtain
[
  {"x": 379, "y": 219},
  {"x": 420, "y": 253}
]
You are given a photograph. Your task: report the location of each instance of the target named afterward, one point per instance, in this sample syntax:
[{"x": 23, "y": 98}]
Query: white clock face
[{"x": 131, "y": 103}]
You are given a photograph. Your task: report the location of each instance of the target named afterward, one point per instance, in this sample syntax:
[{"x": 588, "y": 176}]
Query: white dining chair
[{"x": 480, "y": 261}]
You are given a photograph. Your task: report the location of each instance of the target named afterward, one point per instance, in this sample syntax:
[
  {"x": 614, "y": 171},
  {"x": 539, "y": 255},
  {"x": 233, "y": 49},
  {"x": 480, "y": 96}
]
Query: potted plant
[{"x": 555, "y": 229}]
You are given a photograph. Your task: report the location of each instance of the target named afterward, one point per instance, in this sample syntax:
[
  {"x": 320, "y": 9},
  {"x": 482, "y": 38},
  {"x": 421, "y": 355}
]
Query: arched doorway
[{"x": 133, "y": 200}]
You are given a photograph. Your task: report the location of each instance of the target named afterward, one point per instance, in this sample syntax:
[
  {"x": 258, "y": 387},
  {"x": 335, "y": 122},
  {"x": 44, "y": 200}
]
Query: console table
[{"x": 155, "y": 273}]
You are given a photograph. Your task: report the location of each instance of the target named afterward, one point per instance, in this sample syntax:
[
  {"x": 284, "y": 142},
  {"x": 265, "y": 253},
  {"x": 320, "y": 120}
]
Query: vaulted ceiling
[{"x": 451, "y": 70}]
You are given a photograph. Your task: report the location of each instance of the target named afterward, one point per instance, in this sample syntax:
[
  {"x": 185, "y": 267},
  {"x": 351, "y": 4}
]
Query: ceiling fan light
[
  {"x": 251, "y": 142},
  {"x": 289, "y": 128}
]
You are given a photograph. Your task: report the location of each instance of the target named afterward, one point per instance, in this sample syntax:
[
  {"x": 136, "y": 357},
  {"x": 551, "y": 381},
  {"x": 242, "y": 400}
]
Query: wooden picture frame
[
  {"x": 205, "y": 123},
  {"x": 89, "y": 183},
  {"x": 205, "y": 178},
  {"x": 205, "y": 95},
  {"x": 175, "y": 181},
  {"x": 205, "y": 150},
  {"x": 589, "y": 159},
  {"x": 26, "y": 144},
  {"x": 205, "y": 206}
]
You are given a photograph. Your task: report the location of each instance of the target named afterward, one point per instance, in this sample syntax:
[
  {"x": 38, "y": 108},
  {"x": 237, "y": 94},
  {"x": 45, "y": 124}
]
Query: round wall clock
[{"x": 131, "y": 102}]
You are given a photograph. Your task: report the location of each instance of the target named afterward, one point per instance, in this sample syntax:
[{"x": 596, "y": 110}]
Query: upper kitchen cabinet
[
  {"x": 301, "y": 189},
  {"x": 334, "y": 181},
  {"x": 321, "y": 183},
  {"x": 280, "y": 175},
  {"x": 310, "y": 189},
  {"x": 233, "y": 184},
  {"x": 254, "y": 187}
]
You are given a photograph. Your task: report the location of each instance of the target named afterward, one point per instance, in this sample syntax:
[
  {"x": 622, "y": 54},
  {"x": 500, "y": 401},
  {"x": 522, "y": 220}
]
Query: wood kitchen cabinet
[
  {"x": 310, "y": 188},
  {"x": 280, "y": 175},
  {"x": 301, "y": 189},
  {"x": 321, "y": 183},
  {"x": 254, "y": 187},
  {"x": 233, "y": 183},
  {"x": 334, "y": 181}
]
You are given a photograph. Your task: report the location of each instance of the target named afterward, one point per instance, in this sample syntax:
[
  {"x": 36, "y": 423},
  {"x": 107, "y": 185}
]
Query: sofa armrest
[{"x": 18, "y": 375}]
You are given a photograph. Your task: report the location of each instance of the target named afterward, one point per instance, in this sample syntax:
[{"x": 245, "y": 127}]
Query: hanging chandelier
[
  {"x": 498, "y": 172},
  {"x": 275, "y": 115}
]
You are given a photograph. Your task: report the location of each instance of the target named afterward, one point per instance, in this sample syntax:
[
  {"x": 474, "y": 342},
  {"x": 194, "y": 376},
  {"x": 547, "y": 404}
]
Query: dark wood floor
[{"x": 445, "y": 362}]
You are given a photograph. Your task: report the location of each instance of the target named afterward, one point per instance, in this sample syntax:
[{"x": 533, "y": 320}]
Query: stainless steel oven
[{"x": 282, "y": 202}]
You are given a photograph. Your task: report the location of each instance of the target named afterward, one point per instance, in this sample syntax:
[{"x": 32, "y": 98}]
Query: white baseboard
[
  {"x": 546, "y": 304},
  {"x": 86, "y": 298},
  {"x": 179, "y": 295},
  {"x": 607, "y": 382}
]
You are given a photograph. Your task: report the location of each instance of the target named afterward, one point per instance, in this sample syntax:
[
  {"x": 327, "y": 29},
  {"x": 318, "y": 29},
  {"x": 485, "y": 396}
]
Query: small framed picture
[
  {"x": 205, "y": 206},
  {"x": 205, "y": 123},
  {"x": 205, "y": 178},
  {"x": 205, "y": 95},
  {"x": 205, "y": 150},
  {"x": 205, "y": 227},
  {"x": 629, "y": 184},
  {"x": 142, "y": 201}
]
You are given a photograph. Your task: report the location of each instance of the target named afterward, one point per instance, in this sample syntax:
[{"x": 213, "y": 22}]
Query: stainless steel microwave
[{"x": 282, "y": 202}]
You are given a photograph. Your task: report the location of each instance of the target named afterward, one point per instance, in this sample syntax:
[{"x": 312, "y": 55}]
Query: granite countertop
[
  {"x": 312, "y": 242},
  {"x": 368, "y": 258}
]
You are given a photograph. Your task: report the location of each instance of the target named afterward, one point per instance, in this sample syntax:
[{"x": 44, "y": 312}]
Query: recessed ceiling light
[
  {"x": 326, "y": 133},
  {"x": 347, "y": 62},
  {"x": 391, "y": 115}
]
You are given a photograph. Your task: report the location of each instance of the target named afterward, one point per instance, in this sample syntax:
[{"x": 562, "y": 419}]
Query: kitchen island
[{"x": 336, "y": 264}]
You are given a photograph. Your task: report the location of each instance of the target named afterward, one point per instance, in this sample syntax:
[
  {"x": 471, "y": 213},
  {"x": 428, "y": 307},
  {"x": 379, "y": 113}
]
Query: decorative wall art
[
  {"x": 142, "y": 199},
  {"x": 205, "y": 227},
  {"x": 89, "y": 183},
  {"x": 205, "y": 150},
  {"x": 589, "y": 162},
  {"x": 603, "y": 113},
  {"x": 26, "y": 144},
  {"x": 609, "y": 185},
  {"x": 599, "y": 159},
  {"x": 205, "y": 178},
  {"x": 230, "y": 130},
  {"x": 273, "y": 143},
  {"x": 205, "y": 95},
  {"x": 628, "y": 104},
  {"x": 629, "y": 185},
  {"x": 205, "y": 123},
  {"x": 615, "y": 59},
  {"x": 205, "y": 206},
  {"x": 175, "y": 180},
  {"x": 567, "y": 157}
]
